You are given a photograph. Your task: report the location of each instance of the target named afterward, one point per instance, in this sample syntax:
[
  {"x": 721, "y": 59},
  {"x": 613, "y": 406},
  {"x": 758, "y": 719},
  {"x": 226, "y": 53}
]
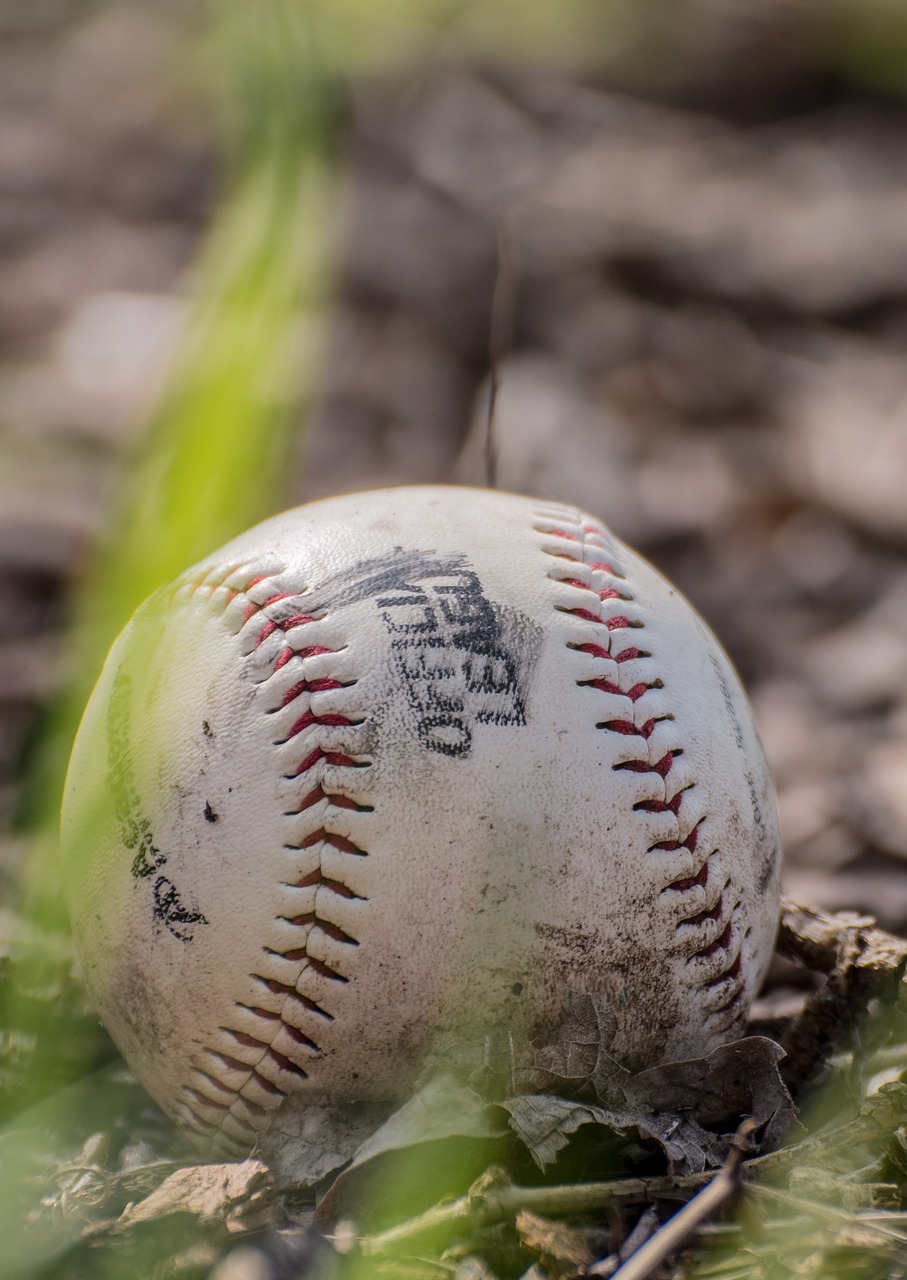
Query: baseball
[{"x": 403, "y": 763}]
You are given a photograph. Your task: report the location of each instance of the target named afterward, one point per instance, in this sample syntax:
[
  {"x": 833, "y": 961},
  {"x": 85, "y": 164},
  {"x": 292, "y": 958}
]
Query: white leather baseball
[{"x": 407, "y": 762}]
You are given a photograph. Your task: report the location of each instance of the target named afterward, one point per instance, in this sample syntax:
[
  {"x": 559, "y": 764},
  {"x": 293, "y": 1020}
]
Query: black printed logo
[
  {"x": 172, "y": 912},
  {"x": 462, "y": 660},
  {"x": 450, "y": 651},
  {"x": 135, "y": 829}
]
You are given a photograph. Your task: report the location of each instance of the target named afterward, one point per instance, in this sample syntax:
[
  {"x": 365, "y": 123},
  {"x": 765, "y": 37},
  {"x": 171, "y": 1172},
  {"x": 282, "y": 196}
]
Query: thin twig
[
  {"x": 684, "y": 1224},
  {"x": 489, "y": 1203},
  {"x": 500, "y": 337},
  {"x": 645, "y": 1227},
  {"x": 496, "y": 1204}
]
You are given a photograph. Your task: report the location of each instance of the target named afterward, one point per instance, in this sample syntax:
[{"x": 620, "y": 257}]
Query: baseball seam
[
  {"x": 249, "y": 1067},
  {"x": 247, "y": 1071},
  {"x": 699, "y": 892}
]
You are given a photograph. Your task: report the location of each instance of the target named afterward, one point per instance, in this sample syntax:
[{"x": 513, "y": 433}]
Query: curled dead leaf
[{"x": 241, "y": 1196}]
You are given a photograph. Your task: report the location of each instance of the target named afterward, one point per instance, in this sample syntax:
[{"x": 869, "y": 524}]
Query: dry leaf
[
  {"x": 545, "y": 1123},
  {"x": 241, "y": 1196},
  {"x": 734, "y": 1080},
  {"x": 442, "y": 1109},
  {"x": 311, "y": 1139}
]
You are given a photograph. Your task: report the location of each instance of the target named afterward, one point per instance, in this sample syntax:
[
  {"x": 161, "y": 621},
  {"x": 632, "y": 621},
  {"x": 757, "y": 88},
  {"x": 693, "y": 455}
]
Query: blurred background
[{"x": 674, "y": 236}]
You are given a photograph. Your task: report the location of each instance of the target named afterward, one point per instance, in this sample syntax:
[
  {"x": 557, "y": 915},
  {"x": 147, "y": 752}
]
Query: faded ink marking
[
  {"x": 770, "y": 860},
  {"x": 173, "y": 915},
  {"x": 135, "y": 829},
  {"x": 769, "y": 865},
  {"x": 462, "y": 660},
  {"x": 728, "y": 701},
  {"x": 386, "y": 574},
  {"x": 458, "y": 664},
  {"x": 757, "y": 818}
]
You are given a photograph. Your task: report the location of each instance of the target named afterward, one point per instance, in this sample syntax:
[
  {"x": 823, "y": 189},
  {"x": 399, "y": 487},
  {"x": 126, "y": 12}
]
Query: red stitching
[
  {"x": 214, "y": 1083},
  {"x": 192, "y": 1118},
  {"x": 627, "y": 727},
  {"x": 732, "y": 971},
  {"x": 267, "y": 1014},
  {"x": 308, "y": 718},
  {"x": 205, "y": 1101},
  {"x": 329, "y": 757},
  {"x": 286, "y": 1064},
  {"x": 300, "y": 1038},
  {"x": 340, "y": 843},
  {"x": 660, "y": 806},
  {"x": 319, "y": 880},
  {"x": 276, "y": 624},
  {"x": 256, "y": 1109},
  {"x": 311, "y": 1007},
  {"x": 295, "y": 620},
  {"x": 318, "y": 793},
  {"x": 594, "y": 650},
  {"x": 689, "y": 843},
  {"x": 268, "y": 629},
  {"x": 325, "y": 971},
  {"x": 305, "y": 686},
  {"x": 719, "y": 944},
  {"x": 661, "y": 767},
  {"x": 278, "y": 988},
  {"x": 232, "y": 1064},
  {"x": 714, "y": 914},
  {"x": 236, "y": 1107}
]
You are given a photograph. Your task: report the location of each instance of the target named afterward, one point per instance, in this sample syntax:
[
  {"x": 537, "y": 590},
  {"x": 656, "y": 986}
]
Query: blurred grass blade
[
  {"x": 220, "y": 440},
  {"x": 216, "y": 448}
]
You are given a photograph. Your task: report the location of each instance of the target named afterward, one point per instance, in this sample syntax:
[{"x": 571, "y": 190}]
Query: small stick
[
  {"x": 645, "y": 1227},
  {"x": 503, "y": 302},
  {"x": 482, "y": 1208},
  {"x": 685, "y": 1223}
]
